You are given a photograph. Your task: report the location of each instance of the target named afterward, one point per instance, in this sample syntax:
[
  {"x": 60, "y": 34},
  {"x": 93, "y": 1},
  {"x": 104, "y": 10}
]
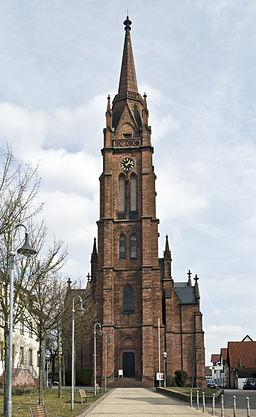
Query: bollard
[
  {"x": 248, "y": 407},
  {"x": 213, "y": 404},
  {"x": 234, "y": 406},
  {"x": 191, "y": 397},
  {"x": 222, "y": 406},
  {"x": 197, "y": 399},
  {"x": 203, "y": 410}
]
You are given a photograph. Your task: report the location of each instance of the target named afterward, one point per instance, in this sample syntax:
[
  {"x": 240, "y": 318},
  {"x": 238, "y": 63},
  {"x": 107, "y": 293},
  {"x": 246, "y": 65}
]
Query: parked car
[
  {"x": 211, "y": 383},
  {"x": 250, "y": 383}
]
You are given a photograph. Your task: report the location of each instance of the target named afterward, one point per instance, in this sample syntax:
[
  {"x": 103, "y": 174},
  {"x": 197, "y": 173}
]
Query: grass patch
[
  {"x": 186, "y": 390},
  {"x": 55, "y": 406}
]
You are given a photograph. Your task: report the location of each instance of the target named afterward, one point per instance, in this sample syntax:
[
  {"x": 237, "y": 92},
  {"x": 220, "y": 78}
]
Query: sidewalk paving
[{"x": 128, "y": 402}]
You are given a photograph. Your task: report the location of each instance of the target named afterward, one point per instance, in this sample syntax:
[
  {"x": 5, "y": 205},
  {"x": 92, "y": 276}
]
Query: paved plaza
[{"x": 129, "y": 402}]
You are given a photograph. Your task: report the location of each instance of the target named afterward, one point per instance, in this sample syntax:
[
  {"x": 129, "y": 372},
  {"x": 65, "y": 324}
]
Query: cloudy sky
[{"x": 196, "y": 61}]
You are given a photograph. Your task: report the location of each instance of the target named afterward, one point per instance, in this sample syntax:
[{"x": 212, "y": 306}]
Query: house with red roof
[
  {"x": 241, "y": 360},
  {"x": 235, "y": 363}
]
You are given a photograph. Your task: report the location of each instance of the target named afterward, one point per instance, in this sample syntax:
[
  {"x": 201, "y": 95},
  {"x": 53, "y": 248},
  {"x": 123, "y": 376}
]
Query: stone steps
[{"x": 127, "y": 383}]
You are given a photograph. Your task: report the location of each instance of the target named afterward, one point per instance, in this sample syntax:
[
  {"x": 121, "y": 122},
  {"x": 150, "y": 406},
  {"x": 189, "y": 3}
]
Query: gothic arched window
[
  {"x": 133, "y": 248},
  {"x": 122, "y": 250},
  {"x": 122, "y": 193},
  {"x": 133, "y": 191},
  {"x": 128, "y": 299}
]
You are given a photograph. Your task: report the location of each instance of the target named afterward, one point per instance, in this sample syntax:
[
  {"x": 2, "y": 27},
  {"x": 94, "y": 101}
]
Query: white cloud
[
  {"x": 178, "y": 197},
  {"x": 218, "y": 336}
]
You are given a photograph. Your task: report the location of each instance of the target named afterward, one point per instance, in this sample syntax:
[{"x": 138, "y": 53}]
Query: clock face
[{"x": 127, "y": 164}]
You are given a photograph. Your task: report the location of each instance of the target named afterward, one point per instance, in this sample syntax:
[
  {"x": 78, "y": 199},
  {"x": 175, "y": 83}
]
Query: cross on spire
[
  {"x": 189, "y": 273},
  {"x": 88, "y": 277}
]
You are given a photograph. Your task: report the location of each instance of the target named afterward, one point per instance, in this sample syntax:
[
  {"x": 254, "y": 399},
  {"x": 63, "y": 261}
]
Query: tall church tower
[
  {"x": 135, "y": 297},
  {"x": 128, "y": 289}
]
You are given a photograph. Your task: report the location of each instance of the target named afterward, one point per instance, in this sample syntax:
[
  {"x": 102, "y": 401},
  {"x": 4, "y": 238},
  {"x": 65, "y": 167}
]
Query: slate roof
[
  {"x": 242, "y": 354},
  {"x": 185, "y": 292}
]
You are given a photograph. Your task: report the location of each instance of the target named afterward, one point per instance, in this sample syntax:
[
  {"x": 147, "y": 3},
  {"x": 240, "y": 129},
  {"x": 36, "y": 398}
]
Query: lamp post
[
  {"x": 81, "y": 310},
  {"x": 25, "y": 250},
  {"x": 165, "y": 358},
  {"x": 95, "y": 363},
  {"x": 107, "y": 340}
]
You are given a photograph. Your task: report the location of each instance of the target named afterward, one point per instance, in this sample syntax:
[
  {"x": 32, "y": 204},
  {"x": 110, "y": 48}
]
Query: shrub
[
  {"x": 23, "y": 390},
  {"x": 170, "y": 381},
  {"x": 180, "y": 378},
  {"x": 83, "y": 377}
]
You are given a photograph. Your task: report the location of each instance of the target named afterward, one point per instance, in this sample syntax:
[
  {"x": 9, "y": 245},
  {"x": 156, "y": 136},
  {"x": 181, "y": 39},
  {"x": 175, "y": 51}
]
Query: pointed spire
[
  {"x": 197, "y": 287},
  {"x": 94, "y": 250},
  {"x": 108, "y": 105},
  {"x": 108, "y": 114},
  {"x": 128, "y": 81},
  {"x": 167, "y": 253},
  {"x": 145, "y": 101}
]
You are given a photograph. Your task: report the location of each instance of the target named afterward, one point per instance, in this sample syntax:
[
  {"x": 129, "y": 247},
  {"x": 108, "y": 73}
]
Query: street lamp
[
  {"x": 81, "y": 310},
  {"x": 25, "y": 250},
  {"x": 165, "y": 376},
  {"x": 107, "y": 340},
  {"x": 95, "y": 334}
]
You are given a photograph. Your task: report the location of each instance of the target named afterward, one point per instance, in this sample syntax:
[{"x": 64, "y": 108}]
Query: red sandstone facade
[{"x": 133, "y": 289}]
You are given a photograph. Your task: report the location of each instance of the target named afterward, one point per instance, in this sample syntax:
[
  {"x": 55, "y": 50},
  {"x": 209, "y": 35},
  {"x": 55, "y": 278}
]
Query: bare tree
[
  {"x": 47, "y": 303},
  {"x": 19, "y": 184},
  {"x": 83, "y": 323}
]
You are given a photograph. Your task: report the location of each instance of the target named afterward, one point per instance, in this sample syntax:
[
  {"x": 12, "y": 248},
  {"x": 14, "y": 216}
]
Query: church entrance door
[{"x": 129, "y": 364}]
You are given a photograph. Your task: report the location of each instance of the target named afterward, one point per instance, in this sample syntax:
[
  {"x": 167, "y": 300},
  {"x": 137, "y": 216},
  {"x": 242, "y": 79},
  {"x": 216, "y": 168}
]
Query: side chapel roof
[{"x": 185, "y": 292}]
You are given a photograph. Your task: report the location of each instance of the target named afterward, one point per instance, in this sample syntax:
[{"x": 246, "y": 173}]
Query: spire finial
[
  {"x": 88, "y": 277},
  {"x": 189, "y": 273},
  {"x": 127, "y": 23},
  {"x": 69, "y": 282},
  {"x": 108, "y": 105},
  {"x": 196, "y": 279}
]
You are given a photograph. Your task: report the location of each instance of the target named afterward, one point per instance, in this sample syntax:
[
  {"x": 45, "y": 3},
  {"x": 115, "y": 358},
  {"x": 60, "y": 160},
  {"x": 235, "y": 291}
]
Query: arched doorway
[
  {"x": 127, "y": 357},
  {"x": 129, "y": 364}
]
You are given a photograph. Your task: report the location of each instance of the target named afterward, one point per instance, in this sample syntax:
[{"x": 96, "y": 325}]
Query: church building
[{"x": 138, "y": 303}]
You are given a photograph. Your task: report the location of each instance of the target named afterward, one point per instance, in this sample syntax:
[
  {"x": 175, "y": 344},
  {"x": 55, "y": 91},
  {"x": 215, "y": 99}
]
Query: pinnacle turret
[{"x": 167, "y": 253}]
